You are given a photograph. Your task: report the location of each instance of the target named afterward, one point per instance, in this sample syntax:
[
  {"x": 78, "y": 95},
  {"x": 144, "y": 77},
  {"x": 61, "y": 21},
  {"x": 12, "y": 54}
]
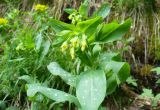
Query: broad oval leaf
[
  {"x": 59, "y": 26},
  {"x": 84, "y": 8},
  {"x": 45, "y": 51},
  {"x": 106, "y": 29},
  {"x": 107, "y": 57},
  {"x": 116, "y": 72},
  {"x": 103, "y": 11},
  {"x": 121, "y": 69},
  {"x": 91, "y": 89},
  {"x": 96, "y": 49},
  {"x": 111, "y": 33},
  {"x": 111, "y": 84},
  {"x": 55, "y": 69},
  {"x": 38, "y": 41},
  {"x": 46, "y": 47},
  {"x": 70, "y": 10},
  {"x": 56, "y": 95},
  {"x": 89, "y": 27}
]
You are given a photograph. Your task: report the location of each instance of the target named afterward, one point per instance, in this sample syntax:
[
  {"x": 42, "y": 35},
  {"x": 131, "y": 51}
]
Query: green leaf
[
  {"x": 16, "y": 60},
  {"x": 103, "y": 108},
  {"x": 89, "y": 27},
  {"x": 156, "y": 100},
  {"x": 157, "y": 70},
  {"x": 116, "y": 72},
  {"x": 103, "y": 11},
  {"x": 35, "y": 105},
  {"x": 131, "y": 81},
  {"x": 147, "y": 94},
  {"x": 62, "y": 36},
  {"x": 85, "y": 57},
  {"x": 91, "y": 89},
  {"x": 111, "y": 84},
  {"x": 59, "y": 26},
  {"x": 96, "y": 49},
  {"x": 111, "y": 61},
  {"x": 70, "y": 10},
  {"x": 95, "y": 37},
  {"x": 27, "y": 78},
  {"x": 84, "y": 8},
  {"x": 158, "y": 81},
  {"x": 121, "y": 69},
  {"x": 56, "y": 70},
  {"x": 53, "y": 94},
  {"x": 157, "y": 97},
  {"x": 45, "y": 51},
  {"x": 113, "y": 31},
  {"x": 2, "y": 105},
  {"x": 106, "y": 29},
  {"x": 12, "y": 108},
  {"x": 106, "y": 57},
  {"x": 46, "y": 48},
  {"x": 38, "y": 41}
]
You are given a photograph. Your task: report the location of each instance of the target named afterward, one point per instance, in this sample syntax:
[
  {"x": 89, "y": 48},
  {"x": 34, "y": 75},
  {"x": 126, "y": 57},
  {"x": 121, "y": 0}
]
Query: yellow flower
[
  {"x": 3, "y": 21},
  {"x": 72, "y": 53},
  {"x": 83, "y": 43},
  {"x": 40, "y": 7},
  {"x": 75, "y": 42},
  {"x": 64, "y": 46}
]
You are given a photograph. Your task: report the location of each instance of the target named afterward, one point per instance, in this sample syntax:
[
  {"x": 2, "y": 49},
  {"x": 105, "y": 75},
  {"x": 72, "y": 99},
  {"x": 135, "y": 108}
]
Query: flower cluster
[
  {"x": 3, "y": 21},
  {"x": 75, "y": 43},
  {"x": 40, "y": 8},
  {"x": 75, "y": 17}
]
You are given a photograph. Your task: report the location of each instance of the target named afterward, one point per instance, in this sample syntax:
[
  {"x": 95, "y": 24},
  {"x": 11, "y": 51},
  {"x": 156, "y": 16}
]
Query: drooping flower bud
[
  {"x": 75, "y": 42},
  {"x": 83, "y": 43},
  {"x": 64, "y": 46},
  {"x": 72, "y": 53}
]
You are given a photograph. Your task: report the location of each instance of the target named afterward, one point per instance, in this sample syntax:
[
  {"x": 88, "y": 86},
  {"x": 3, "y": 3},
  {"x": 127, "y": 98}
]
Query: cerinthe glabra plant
[{"x": 99, "y": 72}]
